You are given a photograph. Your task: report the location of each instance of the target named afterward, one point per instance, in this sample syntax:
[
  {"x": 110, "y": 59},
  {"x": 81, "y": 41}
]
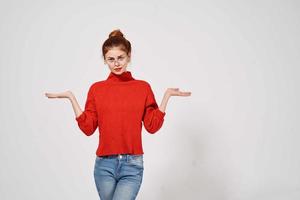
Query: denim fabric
[{"x": 118, "y": 177}]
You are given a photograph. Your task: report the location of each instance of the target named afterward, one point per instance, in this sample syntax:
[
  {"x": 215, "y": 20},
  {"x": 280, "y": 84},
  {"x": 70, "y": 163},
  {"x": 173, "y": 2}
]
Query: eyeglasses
[{"x": 113, "y": 60}]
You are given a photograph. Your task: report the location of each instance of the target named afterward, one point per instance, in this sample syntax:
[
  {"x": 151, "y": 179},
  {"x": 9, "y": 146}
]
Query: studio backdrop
[{"x": 235, "y": 138}]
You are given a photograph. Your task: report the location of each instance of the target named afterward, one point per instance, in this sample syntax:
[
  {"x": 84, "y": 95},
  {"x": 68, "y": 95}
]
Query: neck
[{"x": 124, "y": 77}]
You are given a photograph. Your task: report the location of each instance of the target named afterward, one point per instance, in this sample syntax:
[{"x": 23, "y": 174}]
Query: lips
[{"x": 118, "y": 69}]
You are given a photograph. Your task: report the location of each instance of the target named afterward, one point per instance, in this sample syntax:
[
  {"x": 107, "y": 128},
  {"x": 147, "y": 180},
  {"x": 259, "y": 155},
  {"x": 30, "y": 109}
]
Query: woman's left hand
[
  {"x": 171, "y": 92},
  {"x": 177, "y": 92}
]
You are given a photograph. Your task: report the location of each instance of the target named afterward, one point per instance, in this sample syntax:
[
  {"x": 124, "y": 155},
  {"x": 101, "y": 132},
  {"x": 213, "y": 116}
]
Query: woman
[{"x": 117, "y": 106}]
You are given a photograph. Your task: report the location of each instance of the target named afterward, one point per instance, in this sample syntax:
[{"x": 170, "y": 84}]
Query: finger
[
  {"x": 49, "y": 95},
  {"x": 185, "y": 93}
]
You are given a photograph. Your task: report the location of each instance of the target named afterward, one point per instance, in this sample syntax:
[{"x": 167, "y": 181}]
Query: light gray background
[{"x": 235, "y": 138}]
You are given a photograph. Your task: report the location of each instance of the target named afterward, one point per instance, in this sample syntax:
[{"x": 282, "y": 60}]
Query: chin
[
  {"x": 119, "y": 72},
  {"x": 115, "y": 72}
]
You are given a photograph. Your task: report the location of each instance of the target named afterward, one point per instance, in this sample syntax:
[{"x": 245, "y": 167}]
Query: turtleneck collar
[{"x": 125, "y": 76}]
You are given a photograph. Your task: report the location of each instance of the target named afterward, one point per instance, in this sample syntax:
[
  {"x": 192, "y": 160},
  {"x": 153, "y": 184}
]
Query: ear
[
  {"x": 129, "y": 55},
  {"x": 104, "y": 60}
]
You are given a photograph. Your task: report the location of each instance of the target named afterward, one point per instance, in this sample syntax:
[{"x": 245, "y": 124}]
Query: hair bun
[{"x": 116, "y": 33}]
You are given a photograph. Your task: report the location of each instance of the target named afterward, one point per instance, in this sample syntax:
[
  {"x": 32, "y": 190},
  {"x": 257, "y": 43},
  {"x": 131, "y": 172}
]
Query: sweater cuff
[
  {"x": 160, "y": 113},
  {"x": 81, "y": 117}
]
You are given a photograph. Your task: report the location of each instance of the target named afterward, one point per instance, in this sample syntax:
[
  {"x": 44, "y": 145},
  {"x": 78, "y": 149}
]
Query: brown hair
[{"x": 116, "y": 39}]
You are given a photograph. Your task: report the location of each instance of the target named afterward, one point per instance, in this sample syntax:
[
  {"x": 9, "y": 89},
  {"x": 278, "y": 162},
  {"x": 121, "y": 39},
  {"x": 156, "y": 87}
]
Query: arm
[
  {"x": 68, "y": 95},
  {"x": 171, "y": 92},
  {"x": 164, "y": 102},
  {"x": 153, "y": 115},
  {"x": 76, "y": 108},
  {"x": 87, "y": 119}
]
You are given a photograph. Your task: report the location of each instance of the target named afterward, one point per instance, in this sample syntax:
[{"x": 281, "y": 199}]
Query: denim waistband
[{"x": 119, "y": 155}]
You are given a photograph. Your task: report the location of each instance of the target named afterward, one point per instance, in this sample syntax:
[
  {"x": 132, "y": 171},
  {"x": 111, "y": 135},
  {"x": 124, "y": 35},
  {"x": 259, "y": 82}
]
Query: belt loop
[{"x": 127, "y": 157}]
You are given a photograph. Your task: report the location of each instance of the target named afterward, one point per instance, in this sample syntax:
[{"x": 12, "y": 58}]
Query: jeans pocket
[{"x": 136, "y": 160}]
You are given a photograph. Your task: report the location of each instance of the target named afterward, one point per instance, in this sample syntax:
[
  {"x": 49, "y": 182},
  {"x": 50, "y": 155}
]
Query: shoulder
[
  {"x": 144, "y": 83},
  {"x": 146, "y": 87},
  {"x": 96, "y": 85}
]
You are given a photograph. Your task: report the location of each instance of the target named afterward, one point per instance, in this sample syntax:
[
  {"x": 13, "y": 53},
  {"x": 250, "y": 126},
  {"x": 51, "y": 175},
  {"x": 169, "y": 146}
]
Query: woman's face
[{"x": 117, "y": 60}]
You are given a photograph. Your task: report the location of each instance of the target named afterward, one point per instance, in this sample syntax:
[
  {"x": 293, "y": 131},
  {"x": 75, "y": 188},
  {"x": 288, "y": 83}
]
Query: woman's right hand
[{"x": 67, "y": 94}]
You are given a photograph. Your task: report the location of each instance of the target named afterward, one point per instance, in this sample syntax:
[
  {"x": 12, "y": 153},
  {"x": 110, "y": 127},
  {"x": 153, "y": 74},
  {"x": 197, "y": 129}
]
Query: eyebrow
[{"x": 118, "y": 56}]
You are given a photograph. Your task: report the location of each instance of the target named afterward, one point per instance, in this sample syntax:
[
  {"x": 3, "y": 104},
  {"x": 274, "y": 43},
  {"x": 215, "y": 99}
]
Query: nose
[{"x": 116, "y": 63}]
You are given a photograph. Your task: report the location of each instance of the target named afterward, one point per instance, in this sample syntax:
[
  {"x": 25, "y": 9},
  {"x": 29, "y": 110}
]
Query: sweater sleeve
[
  {"x": 153, "y": 118},
  {"x": 88, "y": 120}
]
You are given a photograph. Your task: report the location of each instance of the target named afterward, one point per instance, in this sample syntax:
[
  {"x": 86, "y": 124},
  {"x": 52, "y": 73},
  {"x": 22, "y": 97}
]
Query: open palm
[
  {"x": 66, "y": 94},
  {"x": 177, "y": 92}
]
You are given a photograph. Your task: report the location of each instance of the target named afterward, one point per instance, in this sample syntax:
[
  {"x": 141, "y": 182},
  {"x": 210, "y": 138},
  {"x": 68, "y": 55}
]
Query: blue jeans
[{"x": 118, "y": 177}]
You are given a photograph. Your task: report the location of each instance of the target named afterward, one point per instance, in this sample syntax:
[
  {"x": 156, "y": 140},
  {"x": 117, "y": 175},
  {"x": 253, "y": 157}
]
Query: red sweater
[{"x": 118, "y": 106}]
